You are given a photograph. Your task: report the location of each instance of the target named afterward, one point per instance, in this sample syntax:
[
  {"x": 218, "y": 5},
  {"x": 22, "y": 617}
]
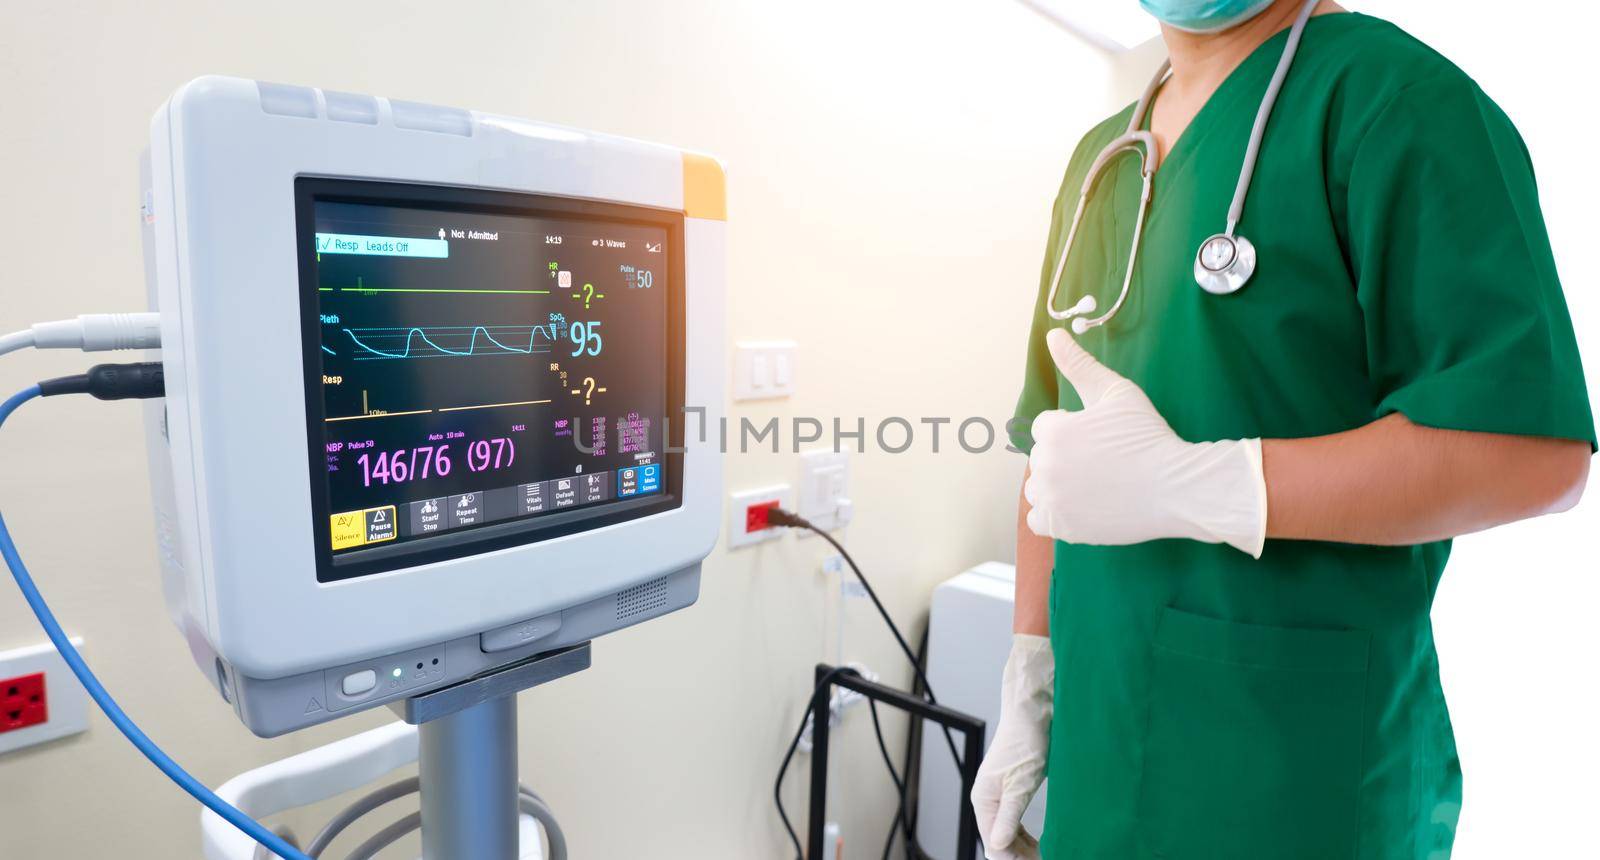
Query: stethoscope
[{"x": 1226, "y": 260}]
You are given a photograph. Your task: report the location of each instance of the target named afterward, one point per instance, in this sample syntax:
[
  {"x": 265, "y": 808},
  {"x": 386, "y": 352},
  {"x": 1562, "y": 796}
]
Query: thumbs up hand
[{"x": 1115, "y": 473}]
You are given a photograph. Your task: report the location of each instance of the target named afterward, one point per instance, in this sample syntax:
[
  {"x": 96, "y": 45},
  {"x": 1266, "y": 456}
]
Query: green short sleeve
[{"x": 1466, "y": 325}]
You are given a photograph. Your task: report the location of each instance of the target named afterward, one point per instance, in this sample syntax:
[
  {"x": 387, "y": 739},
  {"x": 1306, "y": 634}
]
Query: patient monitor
[{"x": 438, "y": 386}]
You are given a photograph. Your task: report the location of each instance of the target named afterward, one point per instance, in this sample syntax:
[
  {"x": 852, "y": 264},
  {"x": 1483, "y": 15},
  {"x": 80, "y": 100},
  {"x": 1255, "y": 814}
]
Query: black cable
[
  {"x": 781, "y": 517},
  {"x": 911, "y": 772},
  {"x": 883, "y": 748},
  {"x": 899, "y": 782},
  {"x": 777, "y": 787},
  {"x": 140, "y": 379},
  {"x": 903, "y": 819},
  {"x": 914, "y": 755}
]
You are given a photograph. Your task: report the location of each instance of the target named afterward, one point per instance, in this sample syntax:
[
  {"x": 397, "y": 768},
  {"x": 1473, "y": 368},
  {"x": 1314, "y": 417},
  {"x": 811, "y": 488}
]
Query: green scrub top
[{"x": 1210, "y": 705}]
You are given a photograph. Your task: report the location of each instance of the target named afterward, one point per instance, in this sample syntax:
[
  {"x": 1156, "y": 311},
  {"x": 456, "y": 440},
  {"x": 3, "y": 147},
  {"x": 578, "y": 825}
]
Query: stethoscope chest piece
[{"x": 1224, "y": 264}]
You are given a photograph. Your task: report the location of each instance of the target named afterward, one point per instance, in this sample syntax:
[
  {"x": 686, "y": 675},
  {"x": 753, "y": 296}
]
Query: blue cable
[{"x": 113, "y": 711}]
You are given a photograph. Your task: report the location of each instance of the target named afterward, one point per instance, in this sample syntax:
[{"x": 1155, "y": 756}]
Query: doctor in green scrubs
[{"x": 1239, "y": 503}]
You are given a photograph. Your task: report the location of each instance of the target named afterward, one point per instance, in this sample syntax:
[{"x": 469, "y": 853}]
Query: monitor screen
[{"x": 483, "y": 369}]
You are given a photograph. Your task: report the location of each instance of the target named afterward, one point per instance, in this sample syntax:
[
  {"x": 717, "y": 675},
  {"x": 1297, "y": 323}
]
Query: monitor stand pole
[{"x": 467, "y": 736}]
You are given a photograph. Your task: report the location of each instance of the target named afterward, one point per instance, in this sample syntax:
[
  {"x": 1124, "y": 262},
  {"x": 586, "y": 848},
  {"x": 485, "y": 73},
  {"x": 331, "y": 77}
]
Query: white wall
[
  {"x": 881, "y": 154},
  {"x": 891, "y": 170}
]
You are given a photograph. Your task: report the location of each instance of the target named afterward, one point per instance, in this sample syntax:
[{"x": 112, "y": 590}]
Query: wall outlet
[
  {"x": 747, "y": 514},
  {"x": 23, "y": 702},
  {"x": 825, "y": 488},
  {"x": 61, "y": 707}
]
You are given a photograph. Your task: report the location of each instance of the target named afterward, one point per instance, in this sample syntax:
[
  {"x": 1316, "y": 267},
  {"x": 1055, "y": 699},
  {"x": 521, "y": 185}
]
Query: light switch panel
[{"x": 763, "y": 369}]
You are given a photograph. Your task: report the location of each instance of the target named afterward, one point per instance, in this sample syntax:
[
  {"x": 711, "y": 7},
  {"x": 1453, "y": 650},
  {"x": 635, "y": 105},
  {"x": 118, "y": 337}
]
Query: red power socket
[
  {"x": 755, "y": 517},
  {"x": 23, "y": 702}
]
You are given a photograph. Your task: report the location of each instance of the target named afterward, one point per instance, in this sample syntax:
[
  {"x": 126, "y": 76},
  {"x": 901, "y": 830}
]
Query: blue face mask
[{"x": 1204, "y": 16}]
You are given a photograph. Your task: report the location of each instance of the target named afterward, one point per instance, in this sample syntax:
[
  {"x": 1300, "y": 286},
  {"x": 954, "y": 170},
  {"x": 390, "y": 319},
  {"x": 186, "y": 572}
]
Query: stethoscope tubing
[
  {"x": 1148, "y": 157},
  {"x": 1144, "y": 144}
]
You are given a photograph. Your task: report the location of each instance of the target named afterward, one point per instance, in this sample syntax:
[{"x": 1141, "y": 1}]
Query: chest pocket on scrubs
[{"x": 1254, "y": 742}]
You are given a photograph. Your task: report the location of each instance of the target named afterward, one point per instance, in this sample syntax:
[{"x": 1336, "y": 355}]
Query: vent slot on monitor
[{"x": 645, "y": 597}]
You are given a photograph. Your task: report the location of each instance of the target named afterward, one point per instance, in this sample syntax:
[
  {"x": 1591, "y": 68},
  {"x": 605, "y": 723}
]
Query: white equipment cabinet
[{"x": 969, "y": 637}]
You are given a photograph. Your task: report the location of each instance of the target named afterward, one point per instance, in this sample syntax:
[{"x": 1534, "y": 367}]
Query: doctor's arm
[
  {"x": 1035, "y": 557},
  {"x": 1396, "y": 482},
  {"x": 1014, "y": 765},
  {"x": 1116, "y": 473}
]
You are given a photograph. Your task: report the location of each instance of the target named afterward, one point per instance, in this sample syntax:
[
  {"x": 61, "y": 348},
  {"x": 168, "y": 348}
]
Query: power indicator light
[{"x": 396, "y": 673}]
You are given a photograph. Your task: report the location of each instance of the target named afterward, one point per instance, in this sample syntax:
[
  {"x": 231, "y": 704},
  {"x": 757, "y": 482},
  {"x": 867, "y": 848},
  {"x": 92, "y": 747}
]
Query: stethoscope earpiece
[{"x": 1079, "y": 314}]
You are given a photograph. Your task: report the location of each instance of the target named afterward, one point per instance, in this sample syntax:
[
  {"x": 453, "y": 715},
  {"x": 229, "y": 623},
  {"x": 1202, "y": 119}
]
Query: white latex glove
[
  {"x": 1013, "y": 768},
  {"x": 1114, "y": 473}
]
